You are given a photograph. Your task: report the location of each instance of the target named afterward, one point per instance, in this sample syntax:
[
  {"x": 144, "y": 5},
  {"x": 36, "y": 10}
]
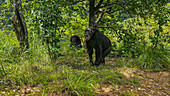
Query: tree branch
[{"x": 100, "y": 16}]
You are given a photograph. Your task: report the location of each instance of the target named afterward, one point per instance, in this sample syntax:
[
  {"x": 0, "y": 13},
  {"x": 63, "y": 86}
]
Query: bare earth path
[{"x": 149, "y": 84}]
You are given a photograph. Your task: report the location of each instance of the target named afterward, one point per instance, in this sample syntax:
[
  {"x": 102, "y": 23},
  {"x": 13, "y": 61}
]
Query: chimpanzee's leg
[
  {"x": 105, "y": 53},
  {"x": 90, "y": 53},
  {"x": 98, "y": 53}
]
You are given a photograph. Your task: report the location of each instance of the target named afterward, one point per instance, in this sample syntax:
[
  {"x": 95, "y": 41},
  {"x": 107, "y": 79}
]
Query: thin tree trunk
[
  {"x": 91, "y": 13},
  {"x": 20, "y": 25}
]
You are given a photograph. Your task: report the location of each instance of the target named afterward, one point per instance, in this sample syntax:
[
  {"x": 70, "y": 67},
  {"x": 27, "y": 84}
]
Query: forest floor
[
  {"x": 150, "y": 84},
  {"x": 142, "y": 83}
]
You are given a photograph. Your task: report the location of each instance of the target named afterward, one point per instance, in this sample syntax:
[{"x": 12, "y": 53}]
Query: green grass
[
  {"x": 70, "y": 75},
  {"x": 156, "y": 59}
]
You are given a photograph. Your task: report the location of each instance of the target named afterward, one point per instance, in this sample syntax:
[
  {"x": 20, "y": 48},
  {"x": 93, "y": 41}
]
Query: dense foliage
[{"x": 138, "y": 29}]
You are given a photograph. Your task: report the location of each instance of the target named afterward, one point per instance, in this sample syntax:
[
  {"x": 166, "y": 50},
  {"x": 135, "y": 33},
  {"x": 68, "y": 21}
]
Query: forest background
[{"x": 46, "y": 65}]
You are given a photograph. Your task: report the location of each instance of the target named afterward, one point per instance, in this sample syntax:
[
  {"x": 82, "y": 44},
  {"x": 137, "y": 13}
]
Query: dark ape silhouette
[
  {"x": 75, "y": 41},
  {"x": 95, "y": 39}
]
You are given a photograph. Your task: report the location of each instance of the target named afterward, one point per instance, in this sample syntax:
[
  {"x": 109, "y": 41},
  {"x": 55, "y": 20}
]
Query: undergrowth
[
  {"x": 154, "y": 58},
  {"x": 72, "y": 73},
  {"x": 61, "y": 78}
]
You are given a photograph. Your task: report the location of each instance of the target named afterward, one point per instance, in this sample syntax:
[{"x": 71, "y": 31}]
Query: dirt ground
[{"x": 149, "y": 84}]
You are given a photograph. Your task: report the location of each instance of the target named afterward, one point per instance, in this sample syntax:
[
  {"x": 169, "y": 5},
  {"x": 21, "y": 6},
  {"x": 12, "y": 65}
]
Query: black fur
[
  {"x": 95, "y": 39},
  {"x": 75, "y": 41}
]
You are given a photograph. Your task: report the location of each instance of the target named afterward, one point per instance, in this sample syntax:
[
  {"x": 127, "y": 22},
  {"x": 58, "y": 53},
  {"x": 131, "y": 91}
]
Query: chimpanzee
[
  {"x": 97, "y": 40},
  {"x": 75, "y": 41}
]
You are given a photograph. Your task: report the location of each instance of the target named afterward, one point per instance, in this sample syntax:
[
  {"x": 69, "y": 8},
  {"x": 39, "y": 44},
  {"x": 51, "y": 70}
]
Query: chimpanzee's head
[
  {"x": 75, "y": 41},
  {"x": 89, "y": 32}
]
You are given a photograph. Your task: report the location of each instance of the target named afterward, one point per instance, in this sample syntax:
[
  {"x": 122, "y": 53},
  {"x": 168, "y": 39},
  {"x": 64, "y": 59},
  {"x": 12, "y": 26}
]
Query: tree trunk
[
  {"x": 91, "y": 13},
  {"x": 20, "y": 25}
]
